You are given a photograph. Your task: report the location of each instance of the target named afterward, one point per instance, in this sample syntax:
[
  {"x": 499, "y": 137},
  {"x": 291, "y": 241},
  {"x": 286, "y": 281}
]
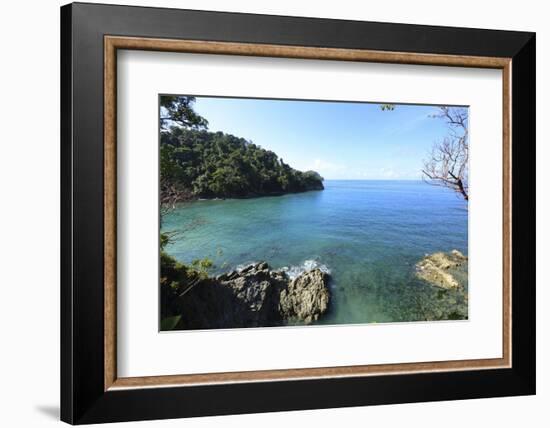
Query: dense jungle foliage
[{"x": 197, "y": 163}]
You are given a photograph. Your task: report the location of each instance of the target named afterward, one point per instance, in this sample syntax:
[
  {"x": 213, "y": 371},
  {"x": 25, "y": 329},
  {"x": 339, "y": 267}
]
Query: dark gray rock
[
  {"x": 306, "y": 297},
  {"x": 257, "y": 296}
]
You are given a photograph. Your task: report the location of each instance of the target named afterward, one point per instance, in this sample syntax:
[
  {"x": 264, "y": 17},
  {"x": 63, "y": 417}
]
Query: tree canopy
[
  {"x": 197, "y": 163},
  {"x": 178, "y": 111},
  {"x": 210, "y": 164}
]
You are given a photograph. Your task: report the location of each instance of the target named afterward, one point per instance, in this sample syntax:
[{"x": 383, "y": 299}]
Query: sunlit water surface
[{"x": 368, "y": 234}]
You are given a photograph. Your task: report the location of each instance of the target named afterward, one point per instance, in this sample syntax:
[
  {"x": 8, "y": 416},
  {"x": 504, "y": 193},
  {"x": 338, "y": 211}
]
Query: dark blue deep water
[{"x": 368, "y": 234}]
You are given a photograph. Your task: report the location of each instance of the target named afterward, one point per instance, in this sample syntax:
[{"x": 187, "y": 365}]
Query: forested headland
[{"x": 196, "y": 163}]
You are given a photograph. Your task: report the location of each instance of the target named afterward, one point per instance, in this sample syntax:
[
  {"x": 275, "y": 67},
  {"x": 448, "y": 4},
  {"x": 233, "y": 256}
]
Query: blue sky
[{"x": 338, "y": 140}]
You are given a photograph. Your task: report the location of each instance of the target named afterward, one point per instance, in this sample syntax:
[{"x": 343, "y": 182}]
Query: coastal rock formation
[
  {"x": 255, "y": 296},
  {"x": 437, "y": 269},
  {"x": 270, "y": 295},
  {"x": 306, "y": 297},
  {"x": 255, "y": 291}
]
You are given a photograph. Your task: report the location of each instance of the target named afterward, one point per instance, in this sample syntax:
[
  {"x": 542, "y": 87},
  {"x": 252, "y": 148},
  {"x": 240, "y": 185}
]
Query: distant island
[{"x": 201, "y": 164}]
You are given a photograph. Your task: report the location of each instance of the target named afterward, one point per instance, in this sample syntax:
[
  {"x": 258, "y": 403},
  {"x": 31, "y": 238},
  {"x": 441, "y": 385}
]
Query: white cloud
[
  {"x": 322, "y": 165},
  {"x": 340, "y": 171}
]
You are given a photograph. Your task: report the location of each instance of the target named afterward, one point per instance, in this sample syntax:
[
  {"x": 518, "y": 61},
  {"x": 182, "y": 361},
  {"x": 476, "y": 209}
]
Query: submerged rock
[{"x": 437, "y": 268}]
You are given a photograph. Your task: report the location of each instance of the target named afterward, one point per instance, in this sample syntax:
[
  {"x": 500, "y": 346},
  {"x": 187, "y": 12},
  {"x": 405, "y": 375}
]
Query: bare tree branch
[{"x": 447, "y": 164}]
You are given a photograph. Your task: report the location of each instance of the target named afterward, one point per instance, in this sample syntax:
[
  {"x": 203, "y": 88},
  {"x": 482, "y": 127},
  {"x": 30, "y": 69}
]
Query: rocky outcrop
[
  {"x": 438, "y": 269},
  {"x": 306, "y": 297},
  {"x": 271, "y": 295},
  {"x": 256, "y": 290},
  {"x": 255, "y": 296}
]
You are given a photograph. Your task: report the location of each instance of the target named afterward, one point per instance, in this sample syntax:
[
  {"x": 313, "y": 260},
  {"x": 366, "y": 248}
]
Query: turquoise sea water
[{"x": 368, "y": 234}]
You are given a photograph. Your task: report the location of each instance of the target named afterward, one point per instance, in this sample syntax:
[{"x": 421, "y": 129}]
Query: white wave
[
  {"x": 295, "y": 271},
  {"x": 243, "y": 266}
]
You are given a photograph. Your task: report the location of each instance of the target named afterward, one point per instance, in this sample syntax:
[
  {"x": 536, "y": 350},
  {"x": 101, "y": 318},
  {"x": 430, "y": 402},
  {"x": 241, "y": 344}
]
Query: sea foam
[{"x": 295, "y": 271}]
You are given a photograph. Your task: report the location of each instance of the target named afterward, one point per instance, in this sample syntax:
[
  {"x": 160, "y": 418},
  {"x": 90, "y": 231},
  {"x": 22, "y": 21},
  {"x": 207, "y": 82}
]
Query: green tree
[
  {"x": 176, "y": 113},
  {"x": 215, "y": 164},
  {"x": 177, "y": 110}
]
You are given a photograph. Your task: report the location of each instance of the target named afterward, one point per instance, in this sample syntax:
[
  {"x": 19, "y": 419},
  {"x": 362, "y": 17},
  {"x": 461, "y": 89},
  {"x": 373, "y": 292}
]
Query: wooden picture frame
[{"x": 91, "y": 390}]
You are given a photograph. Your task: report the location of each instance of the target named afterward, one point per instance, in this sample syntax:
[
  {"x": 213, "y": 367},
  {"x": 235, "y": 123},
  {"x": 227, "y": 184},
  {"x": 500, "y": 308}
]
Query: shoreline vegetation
[{"x": 198, "y": 164}]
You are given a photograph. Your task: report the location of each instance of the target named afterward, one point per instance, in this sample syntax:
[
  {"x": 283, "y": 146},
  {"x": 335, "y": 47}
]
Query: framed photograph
[{"x": 265, "y": 213}]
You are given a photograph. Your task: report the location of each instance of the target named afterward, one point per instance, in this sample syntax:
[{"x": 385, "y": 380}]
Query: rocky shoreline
[
  {"x": 255, "y": 296},
  {"x": 438, "y": 269}
]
